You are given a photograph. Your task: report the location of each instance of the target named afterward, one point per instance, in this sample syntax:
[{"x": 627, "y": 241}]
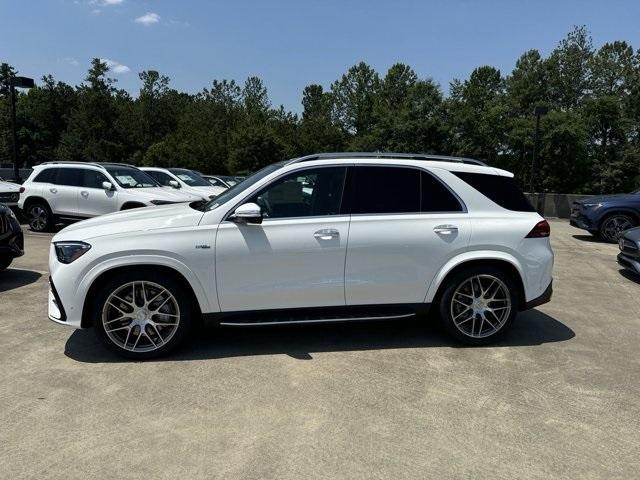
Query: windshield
[
  {"x": 242, "y": 186},
  {"x": 190, "y": 178},
  {"x": 128, "y": 177}
]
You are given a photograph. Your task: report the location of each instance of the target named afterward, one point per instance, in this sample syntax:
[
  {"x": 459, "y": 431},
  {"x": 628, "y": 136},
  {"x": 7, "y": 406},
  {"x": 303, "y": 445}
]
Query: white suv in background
[
  {"x": 323, "y": 238},
  {"x": 69, "y": 191},
  {"x": 185, "y": 180}
]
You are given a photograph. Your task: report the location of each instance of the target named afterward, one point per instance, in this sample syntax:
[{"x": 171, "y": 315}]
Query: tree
[{"x": 354, "y": 99}]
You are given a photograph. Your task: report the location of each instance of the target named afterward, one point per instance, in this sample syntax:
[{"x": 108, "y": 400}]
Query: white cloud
[
  {"x": 115, "y": 67},
  {"x": 71, "y": 61},
  {"x": 148, "y": 18},
  {"x": 112, "y": 2}
]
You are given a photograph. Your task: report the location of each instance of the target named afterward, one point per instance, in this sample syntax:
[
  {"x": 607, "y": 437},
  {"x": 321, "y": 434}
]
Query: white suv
[
  {"x": 68, "y": 191},
  {"x": 321, "y": 238},
  {"x": 186, "y": 180}
]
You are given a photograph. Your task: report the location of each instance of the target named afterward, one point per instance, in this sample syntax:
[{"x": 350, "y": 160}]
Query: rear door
[
  {"x": 405, "y": 225},
  {"x": 94, "y": 200},
  {"x": 63, "y": 196}
]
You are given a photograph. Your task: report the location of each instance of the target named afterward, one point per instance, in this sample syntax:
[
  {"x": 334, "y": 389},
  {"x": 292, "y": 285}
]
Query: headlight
[
  {"x": 68, "y": 252},
  {"x": 592, "y": 205},
  {"x": 161, "y": 202}
]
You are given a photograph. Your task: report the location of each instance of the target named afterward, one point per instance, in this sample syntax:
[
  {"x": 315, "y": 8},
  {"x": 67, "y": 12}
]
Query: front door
[
  {"x": 295, "y": 258},
  {"x": 405, "y": 225},
  {"x": 93, "y": 199}
]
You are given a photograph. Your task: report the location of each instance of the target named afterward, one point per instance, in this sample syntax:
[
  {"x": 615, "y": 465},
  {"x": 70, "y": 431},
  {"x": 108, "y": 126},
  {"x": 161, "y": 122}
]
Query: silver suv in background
[{"x": 69, "y": 191}]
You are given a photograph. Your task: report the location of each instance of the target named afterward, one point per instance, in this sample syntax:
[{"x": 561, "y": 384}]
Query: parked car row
[
  {"x": 63, "y": 192},
  {"x": 607, "y": 216}
]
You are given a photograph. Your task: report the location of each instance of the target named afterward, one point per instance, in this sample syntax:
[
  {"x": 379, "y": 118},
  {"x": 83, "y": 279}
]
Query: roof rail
[
  {"x": 408, "y": 156},
  {"x": 76, "y": 162}
]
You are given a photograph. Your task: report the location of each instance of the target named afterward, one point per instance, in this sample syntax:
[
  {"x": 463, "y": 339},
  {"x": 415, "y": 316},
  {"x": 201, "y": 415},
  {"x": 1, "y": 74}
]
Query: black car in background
[
  {"x": 629, "y": 256},
  {"x": 11, "y": 238}
]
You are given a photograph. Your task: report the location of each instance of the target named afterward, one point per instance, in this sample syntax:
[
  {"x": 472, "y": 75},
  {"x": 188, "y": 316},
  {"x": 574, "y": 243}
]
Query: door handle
[
  {"x": 84, "y": 194},
  {"x": 326, "y": 234},
  {"x": 53, "y": 190},
  {"x": 446, "y": 229}
]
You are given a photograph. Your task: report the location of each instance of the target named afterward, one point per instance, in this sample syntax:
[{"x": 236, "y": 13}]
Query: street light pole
[
  {"x": 21, "y": 82},
  {"x": 539, "y": 111}
]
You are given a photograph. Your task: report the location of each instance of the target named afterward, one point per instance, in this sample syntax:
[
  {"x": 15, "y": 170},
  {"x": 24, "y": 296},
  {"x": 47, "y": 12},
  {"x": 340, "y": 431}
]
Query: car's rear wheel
[
  {"x": 40, "y": 217},
  {"x": 478, "y": 305},
  {"x": 141, "y": 316},
  {"x": 613, "y": 226}
]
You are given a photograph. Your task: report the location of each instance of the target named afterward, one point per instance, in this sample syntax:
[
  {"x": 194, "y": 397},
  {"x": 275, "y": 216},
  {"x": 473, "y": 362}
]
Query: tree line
[{"x": 589, "y": 142}]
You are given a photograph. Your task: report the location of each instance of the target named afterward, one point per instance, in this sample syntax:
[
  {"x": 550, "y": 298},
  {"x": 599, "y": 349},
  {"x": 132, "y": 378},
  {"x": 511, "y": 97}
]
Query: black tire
[
  {"x": 613, "y": 225},
  {"x": 100, "y": 316},
  {"x": 39, "y": 217},
  {"x": 4, "y": 263},
  {"x": 485, "y": 334}
]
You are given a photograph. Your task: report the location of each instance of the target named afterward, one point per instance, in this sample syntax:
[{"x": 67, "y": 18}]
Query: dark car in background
[
  {"x": 607, "y": 216},
  {"x": 11, "y": 238},
  {"x": 629, "y": 256}
]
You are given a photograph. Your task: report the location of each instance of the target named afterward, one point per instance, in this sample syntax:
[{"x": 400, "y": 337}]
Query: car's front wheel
[
  {"x": 614, "y": 225},
  {"x": 142, "y": 316},
  {"x": 478, "y": 305}
]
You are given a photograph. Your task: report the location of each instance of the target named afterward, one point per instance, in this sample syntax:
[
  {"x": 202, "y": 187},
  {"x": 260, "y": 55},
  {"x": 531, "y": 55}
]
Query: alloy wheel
[
  {"x": 614, "y": 226},
  {"x": 480, "y": 306},
  {"x": 38, "y": 218},
  {"x": 140, "y": 316}
]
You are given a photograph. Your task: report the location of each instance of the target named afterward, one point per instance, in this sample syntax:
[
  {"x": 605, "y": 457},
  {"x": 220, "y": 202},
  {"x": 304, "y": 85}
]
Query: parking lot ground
[{"x": 559, "y": 397}]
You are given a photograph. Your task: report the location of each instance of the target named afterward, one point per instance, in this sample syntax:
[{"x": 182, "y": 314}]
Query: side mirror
[
  {"x": 108, "y": 186},
  {"x": 247, "y": 213},
  {"x": 174, "y": 183}
]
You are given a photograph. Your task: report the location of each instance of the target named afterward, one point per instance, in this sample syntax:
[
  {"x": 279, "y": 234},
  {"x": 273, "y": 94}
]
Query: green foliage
[{"x": 589, "y": 142}]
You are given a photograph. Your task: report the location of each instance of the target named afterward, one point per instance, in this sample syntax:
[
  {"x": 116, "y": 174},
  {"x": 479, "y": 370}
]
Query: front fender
[
  {"x": 150, "y": 258},
  {"x": 466, "y": 257}
]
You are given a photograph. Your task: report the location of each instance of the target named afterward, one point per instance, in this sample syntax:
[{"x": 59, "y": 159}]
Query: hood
[
  {"x": 620, "y": 197},
  {"x": 160, "y": 193},
  {"x": 136, "y": 220},
  {"x": 209, "y": 190},
  {"x": 193, "y": 197},
  {"x": 9, "y": 187}
]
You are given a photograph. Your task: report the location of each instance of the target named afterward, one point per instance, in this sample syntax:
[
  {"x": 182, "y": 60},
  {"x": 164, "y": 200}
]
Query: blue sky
[{"x": 290, "y": 44}]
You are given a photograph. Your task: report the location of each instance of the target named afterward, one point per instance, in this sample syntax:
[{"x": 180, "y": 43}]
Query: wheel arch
[
  {"x": 132, "y": 204},
  {"x": 33, "y": 199},
  {"x": 155, "y": 268},
  {"x": 499, "y": 260},
  {"x": 615, "y": 210}
]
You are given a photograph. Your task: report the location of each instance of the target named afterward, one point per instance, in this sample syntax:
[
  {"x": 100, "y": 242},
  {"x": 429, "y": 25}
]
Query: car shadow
[
  {"x": 14, "y": 278},
  {"x": 630, "y": 275},
  {"x": 588, "y": 238},
  {"x": 301, "y": 341}
]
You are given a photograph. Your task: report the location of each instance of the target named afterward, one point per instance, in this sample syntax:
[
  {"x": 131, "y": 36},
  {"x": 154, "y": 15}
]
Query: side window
[
  {"x": 385, "y": 190},
  {"x": 308, "y": 193},
  {"x": 46, "y": 176},
  {"x": 436, "y": 197},
  {"x": 162, "y": 178},
  {"x": 502, "y": 190},
  {"x": 93, "y": 179},
  {"x": 71, "y": 177}
]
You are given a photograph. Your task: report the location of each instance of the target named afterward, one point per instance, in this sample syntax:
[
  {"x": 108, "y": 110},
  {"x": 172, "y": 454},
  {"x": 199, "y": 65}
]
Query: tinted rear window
[
  {"x": 502, "y": 190},
  {"x": 436, "y": 197},
  {"x": 385, "y": 190}
]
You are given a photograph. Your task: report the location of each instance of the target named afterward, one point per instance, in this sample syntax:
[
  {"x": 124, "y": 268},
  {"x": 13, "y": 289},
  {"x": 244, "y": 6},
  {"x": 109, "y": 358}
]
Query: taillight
[
  {"x": 541, "y": 230},
  {"x": 21, "y": 189}
]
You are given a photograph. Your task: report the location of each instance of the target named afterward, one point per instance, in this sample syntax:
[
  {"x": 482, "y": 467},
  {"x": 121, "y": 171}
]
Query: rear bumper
[
  {"x": 581, "y": 222},
  {"x": 541, "y": 300}
]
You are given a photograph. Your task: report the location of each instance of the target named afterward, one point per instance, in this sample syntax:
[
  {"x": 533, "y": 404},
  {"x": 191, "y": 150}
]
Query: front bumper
[
  {"x": 11, "y": 238},
  {"x": 629, "y": 263},
  {"x": 56, "y": 311}
]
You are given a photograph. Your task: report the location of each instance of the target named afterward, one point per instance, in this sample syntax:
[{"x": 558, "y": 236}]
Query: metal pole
[
  {"x": 534, "y": 160},
  {"x": 14, "y": 134}
]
